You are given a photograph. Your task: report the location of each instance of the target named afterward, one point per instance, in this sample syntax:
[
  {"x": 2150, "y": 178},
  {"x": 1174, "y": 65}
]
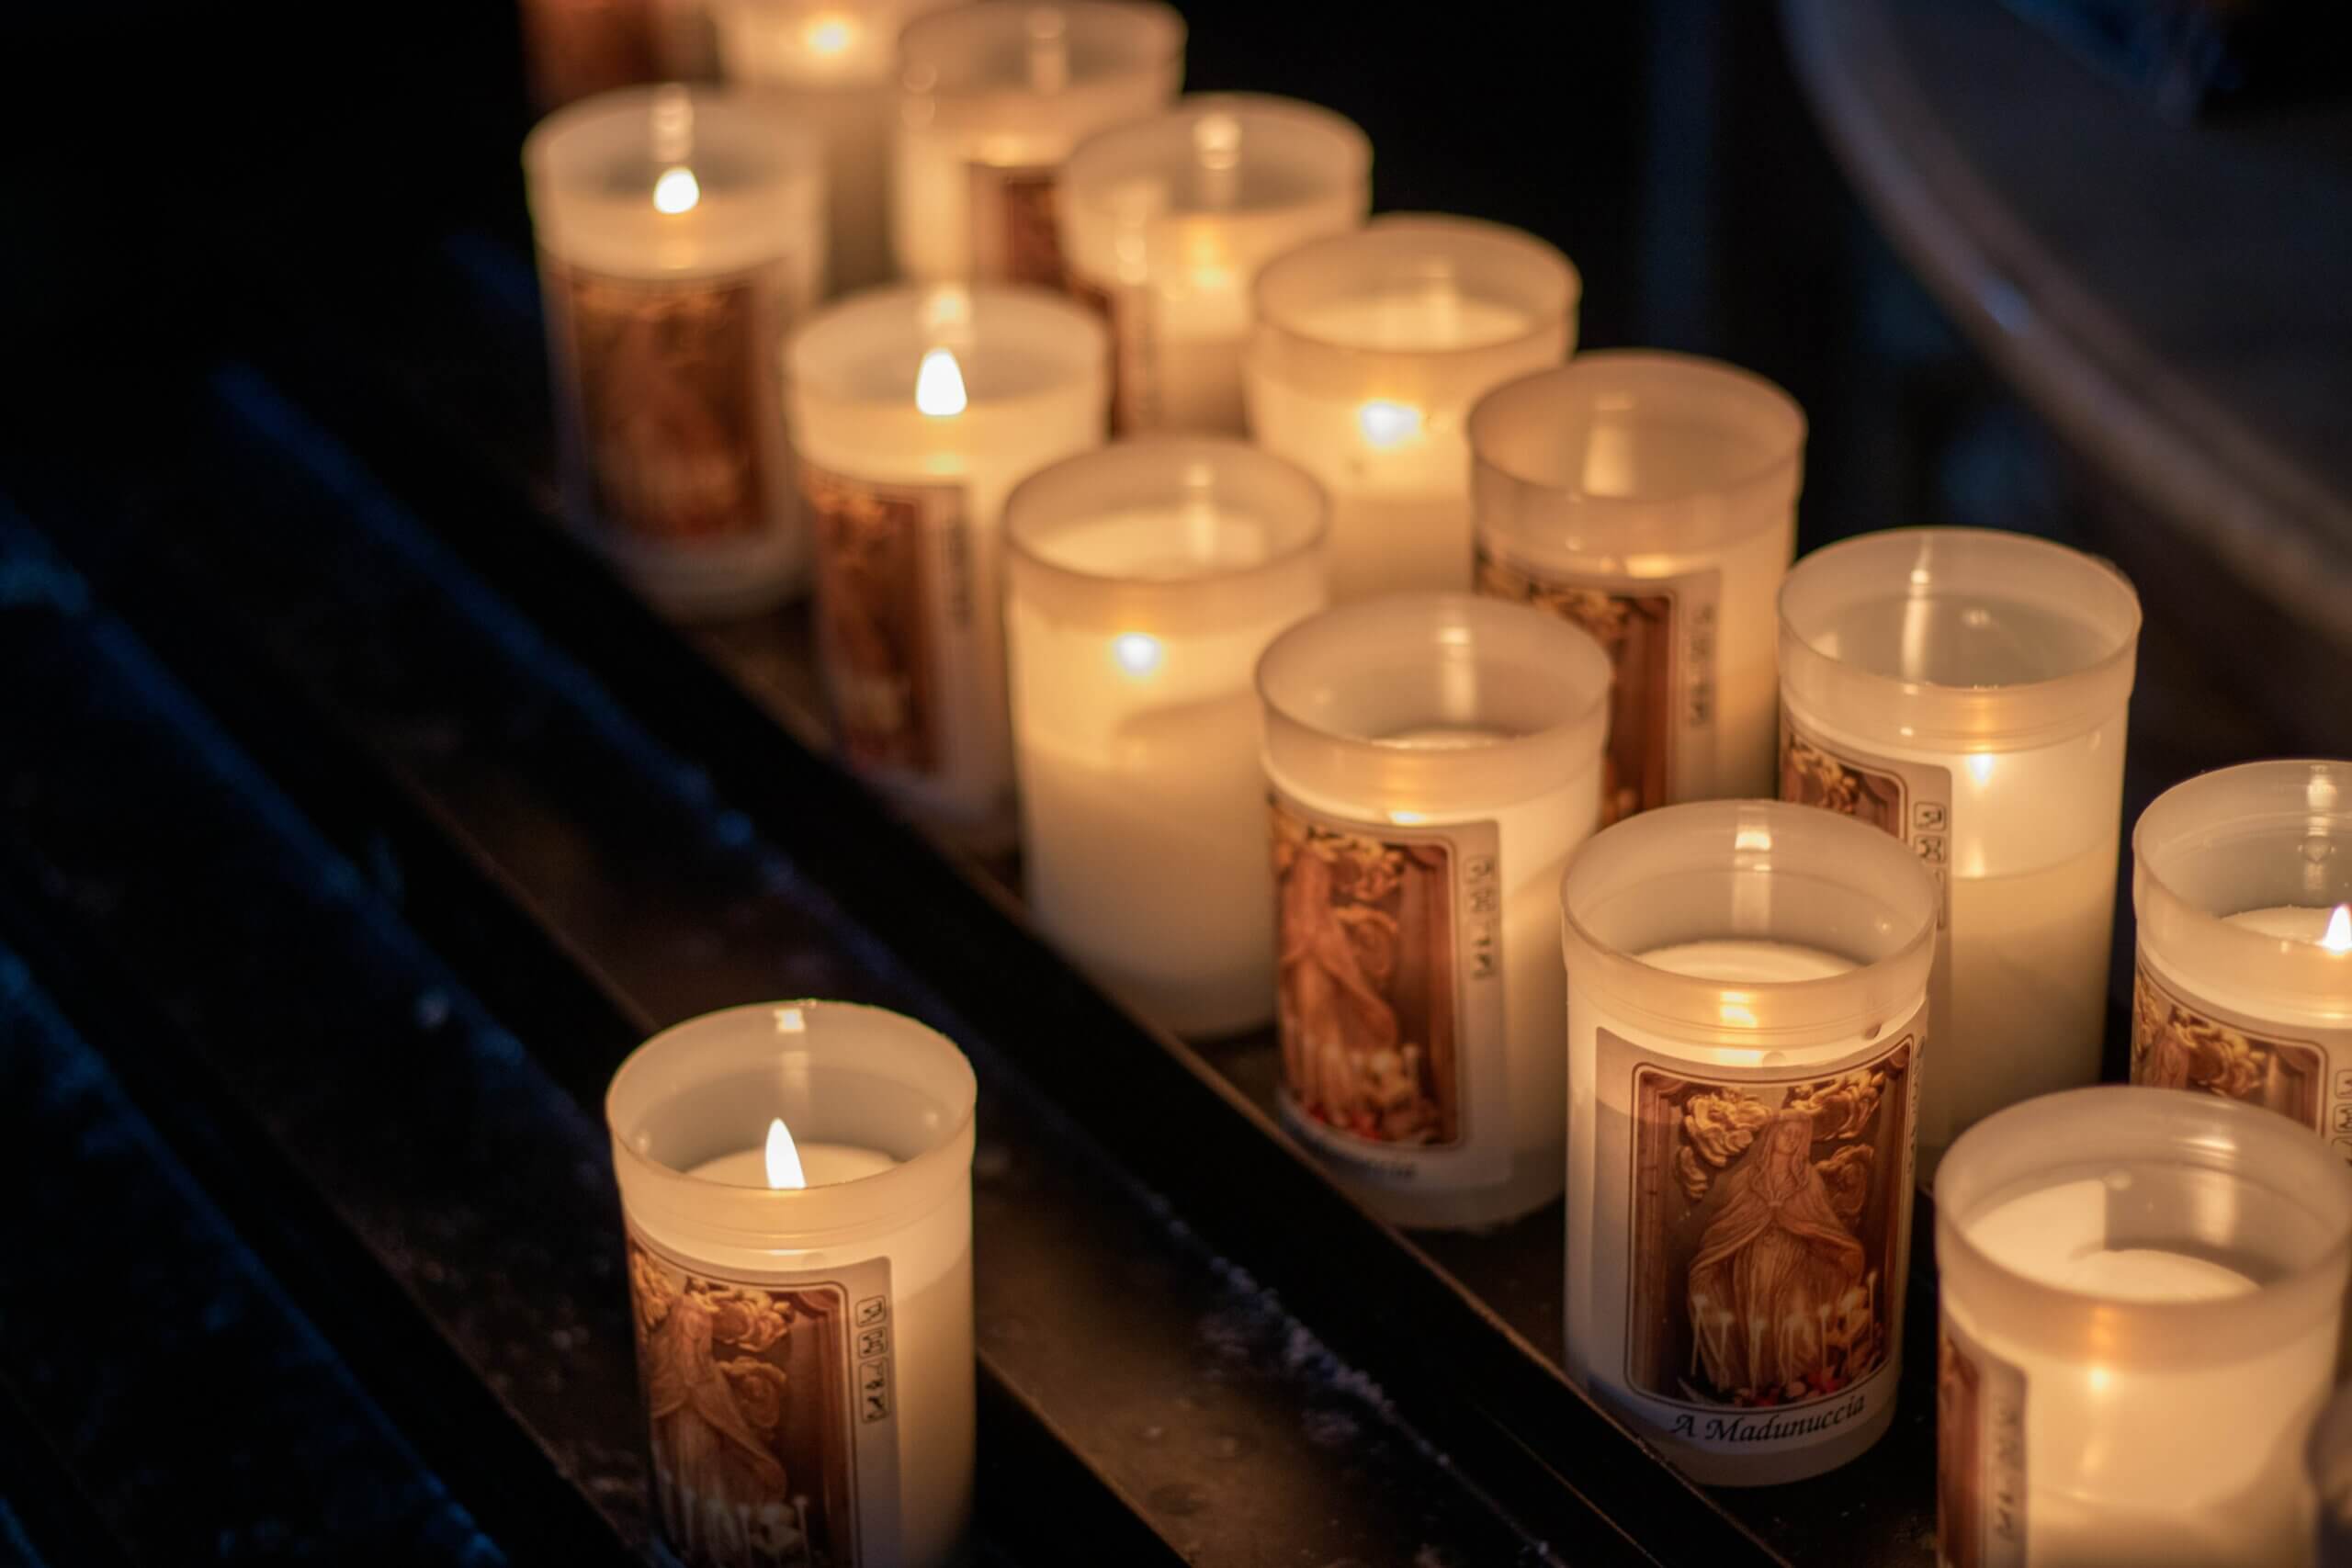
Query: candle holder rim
[
  {"x": 843, "y": 315},
  {"x": 1019, "y": 528},
  {"x": 1160, "y": 33},
  {"x": 1340, "y": 135},
  {"x": 1499, "y": 403},
  {"x": 1547, "y": 319},
  {"x": 784, "y": 138}
]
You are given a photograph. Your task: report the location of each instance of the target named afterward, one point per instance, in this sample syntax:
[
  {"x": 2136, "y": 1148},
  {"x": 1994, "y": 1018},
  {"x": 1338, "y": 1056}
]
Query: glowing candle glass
[
  {"x": 1651, "y": 499},
  {"x": 681, "y": 232},
  {"x": 1746, "y": 1009},
  {"x": 2242, "y": 880},
  {"x": 1370, "y": 349},
  {"x": 1433, "y": 758},
  {"x": 834, "y": 64},
  {"x": 994, "y": 96},
  {"x": 2141, "y": 1294},
  {"x": 915, "y": 412},
  {"x": 806, "y": 1349},
  {"x": 1166, "y": 221},
  {"x": 1145, "y": 579},
  {"x": 1964, "y": 690}
]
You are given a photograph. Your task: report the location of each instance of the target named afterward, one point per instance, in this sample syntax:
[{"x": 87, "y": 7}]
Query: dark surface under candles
[{"x": 355, "y": 825}]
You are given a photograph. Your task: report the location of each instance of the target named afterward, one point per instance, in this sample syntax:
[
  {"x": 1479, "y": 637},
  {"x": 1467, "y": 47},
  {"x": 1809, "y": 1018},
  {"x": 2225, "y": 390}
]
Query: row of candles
[{"x": 1495, "y": 639}]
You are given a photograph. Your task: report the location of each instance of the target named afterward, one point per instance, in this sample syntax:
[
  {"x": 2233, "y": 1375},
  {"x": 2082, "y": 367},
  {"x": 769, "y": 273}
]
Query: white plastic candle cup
[
  {"x": 994, "y": 96},
  {"x": 2141, "y": 1291},
  {"x": 1166, "y": 221},
  {"x": 1145, "y": 579},
  {"x": 1747, "y": 1008},
  {"x": 834, "y": 64},
  {"x": 1370, "y": 349},
  {"x": 1964, "y": 690},
  {"x": 915, "y": 411},
  {"x": 1433, "y": 759},
  {"x": 576, "y": 49},
  {"x": 2328, "y": 1460},
  {"x": 681, "y": 232},
  {"x": 807, "y": 1353},
  {"x": 2243, "y": 990},
  {"x": 1651, "y": 498}
]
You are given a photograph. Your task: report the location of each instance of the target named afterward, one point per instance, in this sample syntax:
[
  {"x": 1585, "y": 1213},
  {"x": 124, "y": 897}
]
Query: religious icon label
[
  {"x": 1016, "y": 238},
  {"x": 1910, "y": 800},
  {"x": 1767, "y": 1233},
  {"x": 2179, "y": 1042},
  {"x": 1980, "y": 1455},
  {"x": 896, "y": 635},
  {"x": 1389, "y": 996},
  {"x": 671, "y": 418},
  {"x": 1659, "y": 634},
  {"x": 772, "y": 1400}
]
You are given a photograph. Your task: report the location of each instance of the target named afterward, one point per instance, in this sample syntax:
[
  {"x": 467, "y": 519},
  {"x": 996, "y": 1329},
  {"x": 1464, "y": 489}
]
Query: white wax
[
  {"x": 821, "y": 1163},
  {"x": 2289, "y": 920},
  {"x": 2194, "y": 1464},
  {"x": 1746, "y": 961}
]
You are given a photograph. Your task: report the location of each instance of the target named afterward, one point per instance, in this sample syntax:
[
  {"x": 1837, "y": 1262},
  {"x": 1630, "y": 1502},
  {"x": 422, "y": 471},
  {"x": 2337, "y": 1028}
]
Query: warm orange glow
[
  {"x": 939, "y": 385},
  {"x": 1385, "y": 424},
  {"x": 2339, "y": 931},
  {"x": 827, "y": 35},
  {"x": 677, "y": 191},
  {"x": 784, "y": 1157}
]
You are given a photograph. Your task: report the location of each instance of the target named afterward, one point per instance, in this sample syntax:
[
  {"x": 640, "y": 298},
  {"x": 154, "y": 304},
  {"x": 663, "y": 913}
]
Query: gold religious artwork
[{"x": 2175, "y": 1046}]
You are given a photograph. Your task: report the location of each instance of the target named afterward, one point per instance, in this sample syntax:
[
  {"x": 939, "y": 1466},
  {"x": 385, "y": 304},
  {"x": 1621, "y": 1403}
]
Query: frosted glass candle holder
[
  {"x": 805, "y": 1350},
  {"x": 2141, "y": 1294},
  {"x": 1166, "y": 221},
  {"x": 993, "y": 97},
  {"x": 2242, "y": 881},
  {"x": 1964, "y": 690},
  {"x": 681, "y": 232},
  {"x": 1651, "y": 499},
  {"x": 1746, "y": 1010},
  {"x": 1370, "y": 349},
  {"x": 916, "y": 411},
  {"x": 1145, "y": 580},
  {"x": 834, "y": 64},
  {"x": 1433, "y": 759}
]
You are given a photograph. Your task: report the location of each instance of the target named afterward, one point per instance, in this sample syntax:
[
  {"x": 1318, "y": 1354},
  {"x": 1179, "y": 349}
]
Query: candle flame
[
  {"x": 783, "y": 1156},
  {"x": 2339, "y": 931},
  {"x": 826, "y": 34},
  {"x": 676, "y": 191},
  {"x": 939, "y": 385},
  {"x": 1387, "y": 424},
  {"x": 1137, "y": 653}
]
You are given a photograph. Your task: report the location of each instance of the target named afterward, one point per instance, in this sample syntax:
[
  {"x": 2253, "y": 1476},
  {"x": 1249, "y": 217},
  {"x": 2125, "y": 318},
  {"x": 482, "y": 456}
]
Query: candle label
[
  {"x": 1766, "y": 1239},
  {"x": 1910, "y": 800},
  {"x": 1135, "y": 353},
  {"x": 1015, "y": 237},
  {"x": 1980, "y": 1455},
  {"x": 894, "y": 615},
  {"x": 2177, "y": 1044},
  {"x": 1389, "y": 997},
  {"x": 772, "y": 1400},
  {"x": 669, "y": 409},
  {"x": 1659, "y": 634}
]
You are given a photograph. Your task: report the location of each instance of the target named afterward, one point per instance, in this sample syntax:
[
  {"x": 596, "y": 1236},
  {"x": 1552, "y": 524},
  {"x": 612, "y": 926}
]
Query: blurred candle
[
  {"x": 2142, "y": 1295},
  {"x": 1370, "y": 349},
  {"x": 1434, "y": 758},
  {"x": 916, "y": 411},
  {"x": 577, "y": 48},
  {"x": 1166, "y": 221},
  {"x": 994, "y": 96},
  {"x": 1964, "y": 690},
  {"x": 1145, "y": 581},
  {"x": 833, "y": 64},
  {"x": 1651, "y": 499},
  {"x": 2242, "y": 881},
  {"x": 796, "y": 1180},
  {"x": 681, "y": 232},
  {"x": 1747, "y": 1015}
]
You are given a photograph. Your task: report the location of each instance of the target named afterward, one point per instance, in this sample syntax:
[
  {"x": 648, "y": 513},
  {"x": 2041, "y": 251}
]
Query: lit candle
[
  {"x": 1166, "y": 221},
  {"x": 833, "y": 64},
  {"x": 681, "y": 232},
  {"x": 2242, "y": 881},
  {"x": 1747, "y": 1011},
  {"x": 1434, "y": 758},
  {"x": 576, "y": 49},
  {"x": 1964, "y": 690},
  {"x": 1145, "y": 581},
  {"x": 2141, "y": 1294},
  {"x": 994, "y": 96},
  {"x": 1370, "y": 349},
  {"x": 1651, "y": 499},
  {"x": 796, "y": 1184},
  {"x": 915, "y": 412}
]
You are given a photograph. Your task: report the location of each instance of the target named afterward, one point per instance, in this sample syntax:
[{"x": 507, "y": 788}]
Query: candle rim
[
  {"x": 1138, "y": 37},
  {"x": 1349, "y": 147},
  {"x": 1078, "y": 350},
  {"x": 1454, "y": 233}
]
